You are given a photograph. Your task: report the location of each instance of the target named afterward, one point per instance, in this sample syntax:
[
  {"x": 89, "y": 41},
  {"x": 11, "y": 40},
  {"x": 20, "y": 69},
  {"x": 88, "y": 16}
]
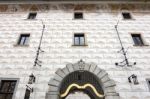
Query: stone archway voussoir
[
  {"x": 76, "y": 67},
  {"x": 51, "y": 96},
  {"x": 54, "y": 82},
  {"x": 105, "y": 79},
  {"x": 60, "y": 73},
  {"x": 66, "y": 71},
  {"x": 87, "y": 67},
  {"x": 109, "y": 83},
  {"x": 70, "y": 67},
  {"x": 110, "y": 90},
  {"x": 54, "y": 88},
  {"x": 92, "y": 67},
  {"x": 97, "y": 70},
  {"x": 58, "y": 78},
  {"x": 102, "y": 74}
]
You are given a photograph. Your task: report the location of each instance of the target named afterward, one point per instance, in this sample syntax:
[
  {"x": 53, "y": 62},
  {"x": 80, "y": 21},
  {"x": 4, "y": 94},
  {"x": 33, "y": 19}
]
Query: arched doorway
[
  {"x": 82, "y": 77},
  {"x": 82, "y": 81}
]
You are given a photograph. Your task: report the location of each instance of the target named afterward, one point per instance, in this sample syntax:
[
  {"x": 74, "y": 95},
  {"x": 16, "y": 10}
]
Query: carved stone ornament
[{"x": 81, "y": 64}]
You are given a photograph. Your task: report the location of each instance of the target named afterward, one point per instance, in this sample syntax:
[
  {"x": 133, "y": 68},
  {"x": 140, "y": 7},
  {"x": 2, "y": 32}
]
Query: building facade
[{"x": 67, "y": 49}]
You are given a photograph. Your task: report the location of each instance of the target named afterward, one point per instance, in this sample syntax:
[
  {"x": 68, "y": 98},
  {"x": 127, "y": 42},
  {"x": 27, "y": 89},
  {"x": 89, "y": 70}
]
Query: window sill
[
  {"x": 128, "y": 19},
  {"x": 140, "y": 45},
  {"x": 79, "y": 45},
  {"x": 79, "y": 19},
  {"x": 21, "y": 45},
  {"x": 31, "y": 19}
]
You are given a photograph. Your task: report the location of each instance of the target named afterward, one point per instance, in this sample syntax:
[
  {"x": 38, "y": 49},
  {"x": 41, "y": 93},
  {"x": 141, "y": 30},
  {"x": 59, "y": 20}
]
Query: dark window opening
[
  {"x": 78, "y": 15},
  {"x": 7, "y": 88},
  {"x": 32, "y": 15},
  {"x": 27, "y": 94},
  {"x": 126, "y": 15},
  {"x": 148, "y": 82},
  {"x": 24, "y": 39},
  {"x": 137, "y": 39},
  {"x": 79, "y": 39}
]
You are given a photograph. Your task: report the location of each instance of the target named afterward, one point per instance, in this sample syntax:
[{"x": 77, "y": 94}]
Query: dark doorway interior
[{"x": 78, "y": 80}]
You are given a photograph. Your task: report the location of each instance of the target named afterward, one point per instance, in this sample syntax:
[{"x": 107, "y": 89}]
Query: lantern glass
[
  {"x": 31, "y": 79},
  {"x": 134, "y": 77},
  {"x": 135, "y": 81}
]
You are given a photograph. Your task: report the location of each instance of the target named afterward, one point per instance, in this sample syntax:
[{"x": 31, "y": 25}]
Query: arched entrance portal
[
  {"x": 82, "y": 77},
  {"x": 83, "y": 81}
]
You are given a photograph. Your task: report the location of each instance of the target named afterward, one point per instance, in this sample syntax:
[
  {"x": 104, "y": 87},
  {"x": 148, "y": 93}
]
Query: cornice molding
[{"x": 74, "y": 1}]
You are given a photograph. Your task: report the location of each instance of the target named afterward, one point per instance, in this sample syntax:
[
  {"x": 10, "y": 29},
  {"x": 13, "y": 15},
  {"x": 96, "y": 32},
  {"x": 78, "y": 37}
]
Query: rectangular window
[
  {"x": 78, "y": 15},
  {"x": 32, "y": 15},
  {"x": 126, "y": 15},
  {"x": 137, "y": 39},
  {"x": 148, "y": 82},
  {"x": 24, "y": 39},
  {"x": 7, "y": 88},
  {"x": 79, "y": 39},
  {"x": 27, "y": 94}
]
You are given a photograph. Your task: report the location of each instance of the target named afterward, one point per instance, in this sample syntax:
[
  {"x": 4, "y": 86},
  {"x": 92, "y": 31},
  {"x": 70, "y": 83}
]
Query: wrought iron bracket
[
  {"x": 133, "y": 78},
  {"x": 39, "y": 50},
  {"x": 125, "y": 62}
]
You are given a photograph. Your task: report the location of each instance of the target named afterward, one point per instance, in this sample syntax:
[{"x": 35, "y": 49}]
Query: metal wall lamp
[
  {"x": 133, "y": 78},
  {"x": 29, "y": 88},
  {"x": 31, "y": 79}
]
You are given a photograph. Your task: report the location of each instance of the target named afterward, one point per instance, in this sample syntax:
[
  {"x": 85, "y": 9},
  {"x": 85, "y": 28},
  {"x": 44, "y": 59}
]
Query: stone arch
[{"x": 107, "y": 84}]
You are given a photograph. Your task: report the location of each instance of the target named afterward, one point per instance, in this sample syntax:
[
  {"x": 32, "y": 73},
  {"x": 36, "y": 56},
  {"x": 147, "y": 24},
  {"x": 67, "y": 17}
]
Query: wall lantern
[
  {"x": 133, "y": 78},
  {"x": 31, "y": 79},
  {"x": 29, "y": 88}
]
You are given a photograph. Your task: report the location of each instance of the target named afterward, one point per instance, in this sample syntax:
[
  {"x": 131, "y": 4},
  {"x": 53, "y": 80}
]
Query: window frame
[
  {"x": 78, "y": 18},
  {"x": 84, "y": 35},
  {"x": 148, "y": 83},
  {"x": 16, "y": 86},
  {"x": 141, "y": 38},
  {"x": 130, "y": 13},
  {"x": 19, "y": 39},
  {"x": 30, "y": 15}
]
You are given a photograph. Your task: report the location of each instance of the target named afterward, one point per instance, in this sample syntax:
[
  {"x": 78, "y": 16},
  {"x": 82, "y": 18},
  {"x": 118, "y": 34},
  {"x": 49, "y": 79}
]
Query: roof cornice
[{"x": 74, "y": 1}]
